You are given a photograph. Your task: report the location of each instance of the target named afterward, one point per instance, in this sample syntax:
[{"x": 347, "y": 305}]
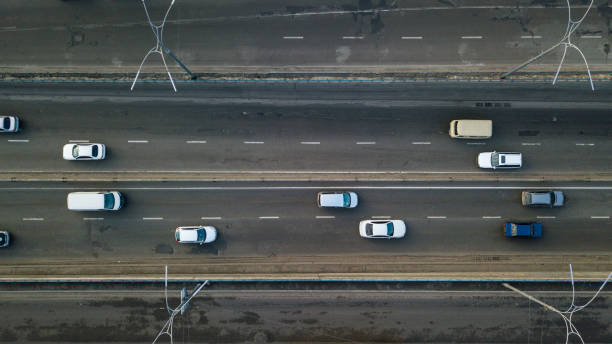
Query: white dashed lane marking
[
  {"x": 421, "y": 143},
  {"x": 366, "y": 142},
  {"x": 546, "y": 217},
  {"x": 152, "y": 218},
  {"x": 585, "y": 144},
  {"x": 412, "y": 37},
  {"x": 530, "y": 143},
  {"x": 93, "y": 218},
  {"x": 491, "y": 217},
  {"x": 293, "y": 37},
  {"x": 325, "y": 217},
  {"x": 471, "y": 37},
  {"x": 600, "y": 217},
  {"x": 33, "y": 219},
  {"x": 591, "y": 37},
  {"x": 269, "y": 217},
  {"x": 78, "y": 141},
  {"x": 436, "y": 217},
  {"x": 138, "y": 141},
  {"x": 310, "y": 142},
  {"x": 253, "y": 142},
  {"x": 533, "y": 37},
  {"x": 381, "y": 217},
  {"x": 195, "y": 141},
  {"x": 352, "y": 37},
  {"x": 22, "y": 141},
  {"x": 211, "y": 218},
  {"x": 475, "y": 143}
]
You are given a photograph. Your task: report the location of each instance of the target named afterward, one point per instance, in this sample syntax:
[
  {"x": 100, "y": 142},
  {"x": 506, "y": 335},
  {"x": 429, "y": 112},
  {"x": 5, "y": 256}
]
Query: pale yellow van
[{"x": 471, "y": 129}]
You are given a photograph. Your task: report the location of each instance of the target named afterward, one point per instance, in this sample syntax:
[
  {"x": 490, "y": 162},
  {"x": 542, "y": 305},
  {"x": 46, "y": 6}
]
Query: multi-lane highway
[
  {"x": 261, "y": 128},
  {"x": 330, "y": 35},
  {"x": 319, "y": 128},
  {"x": 391, "y": 313}
]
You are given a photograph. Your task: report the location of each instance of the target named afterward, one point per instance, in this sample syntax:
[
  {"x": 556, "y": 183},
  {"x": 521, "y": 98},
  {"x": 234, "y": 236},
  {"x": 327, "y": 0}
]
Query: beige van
[{"x": 471, "y": 129}]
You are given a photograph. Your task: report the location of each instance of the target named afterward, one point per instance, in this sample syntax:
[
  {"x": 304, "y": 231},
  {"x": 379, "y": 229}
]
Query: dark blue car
[{"x": 532, "y": 229}]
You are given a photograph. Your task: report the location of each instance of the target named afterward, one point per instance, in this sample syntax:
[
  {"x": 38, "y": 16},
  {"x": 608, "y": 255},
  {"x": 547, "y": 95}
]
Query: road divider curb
[
  {"x": 388, "y": 176},
  {"x": 493, "y": 267}
]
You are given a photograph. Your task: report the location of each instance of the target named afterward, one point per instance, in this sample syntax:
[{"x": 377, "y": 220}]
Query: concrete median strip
[
  {"x": 492, "y": 267},
  {"x": 425, "y": 176}
]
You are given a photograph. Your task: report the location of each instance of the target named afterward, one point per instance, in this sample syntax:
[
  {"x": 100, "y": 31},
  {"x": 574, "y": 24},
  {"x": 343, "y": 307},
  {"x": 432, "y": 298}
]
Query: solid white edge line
[
  {"x": 19, "y": 140},
  {"x": 600, "y": 217},
  {"x": 324, "y": 187},
  {"x": 436, "y": 217},
  {"x": 152, "y": 218},
  {"x": 33, "y": 219},
  {"x": 491, "y": 217},
  {"x": 269, "y": 217},
  {"x": 195, "y": 141},
  {"x": 253, "y": 142},
  {"x": 471, "y": 37},
  {"x": 138, "y": 141},
  {"x": 210, "y": 218},
  {"x": 325, "y": 217},
  {"x": 93, "y": 218},
  {"x": 78, "y": 141}
]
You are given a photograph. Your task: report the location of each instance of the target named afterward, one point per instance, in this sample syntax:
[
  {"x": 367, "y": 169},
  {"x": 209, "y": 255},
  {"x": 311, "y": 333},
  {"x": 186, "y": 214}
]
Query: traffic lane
[
  {"x": 313, "y": 315},
  {"x": 306, "y": 138},
  {"x": 262, "y": 40},
  {"x": 287, "y": 222}
]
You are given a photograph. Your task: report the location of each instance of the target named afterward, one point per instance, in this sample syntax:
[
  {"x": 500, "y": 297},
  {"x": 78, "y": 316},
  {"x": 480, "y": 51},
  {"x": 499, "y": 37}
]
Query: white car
[
  {"x": 195, "y": 234},
  {"x": 382, "y": 229},
  {"x": 337, "y": 199},
  {"x": 495, "y": 160},
  {"x": 9, "y": 124},
  {"x": 84, "y": 151}
]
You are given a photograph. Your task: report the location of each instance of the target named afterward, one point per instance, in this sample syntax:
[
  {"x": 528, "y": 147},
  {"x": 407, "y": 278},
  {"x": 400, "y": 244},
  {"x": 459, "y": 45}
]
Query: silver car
[{"x": 543, "y": 198}]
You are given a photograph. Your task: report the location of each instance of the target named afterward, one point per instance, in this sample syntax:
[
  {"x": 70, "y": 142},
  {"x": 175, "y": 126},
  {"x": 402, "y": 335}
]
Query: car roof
[
  {"x": 511, "y": 158},
  {"x": 188, "y": 234}
]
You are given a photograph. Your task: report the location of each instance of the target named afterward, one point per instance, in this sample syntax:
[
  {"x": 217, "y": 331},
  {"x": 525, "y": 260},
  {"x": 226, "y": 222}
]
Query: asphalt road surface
[
  {"x": 306, "y": 127},
  {"x": 103, "y": 36},
  {"x": 414, "y": 315},
  {"x": 276, "y": 219}
]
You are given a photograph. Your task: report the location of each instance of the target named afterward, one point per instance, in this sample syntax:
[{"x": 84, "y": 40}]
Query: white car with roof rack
[{"x": 495, "y": 160}]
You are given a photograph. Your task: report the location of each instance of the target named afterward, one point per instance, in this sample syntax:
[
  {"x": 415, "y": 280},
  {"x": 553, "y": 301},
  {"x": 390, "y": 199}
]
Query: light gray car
[{"x": 543, "y": 198}]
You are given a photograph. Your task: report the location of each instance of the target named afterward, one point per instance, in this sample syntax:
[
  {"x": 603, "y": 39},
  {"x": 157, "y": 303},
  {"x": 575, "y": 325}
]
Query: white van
[
  {"x": 96, "y": 200},
  {"x": 337, "y": 199},
  {"x": 471, "y": 129}
]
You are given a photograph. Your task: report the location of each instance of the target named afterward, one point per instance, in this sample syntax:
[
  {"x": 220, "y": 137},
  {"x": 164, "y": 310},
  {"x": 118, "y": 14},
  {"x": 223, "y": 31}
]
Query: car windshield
[
  {"x": 201, "y": 234},
  {"x": 75, "y": 151},
  {"x": 94, "y": 150},
  {"x": 390, "y": 229},
  {"x": 109, "y": 201},
  {"x": 347, "y": 199},
  {"x": 369, "y": 227},
  {"x": 6, "y": 123},
  {"x": 495, "y": 159},
  {"x": 177, "y": 235}
]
